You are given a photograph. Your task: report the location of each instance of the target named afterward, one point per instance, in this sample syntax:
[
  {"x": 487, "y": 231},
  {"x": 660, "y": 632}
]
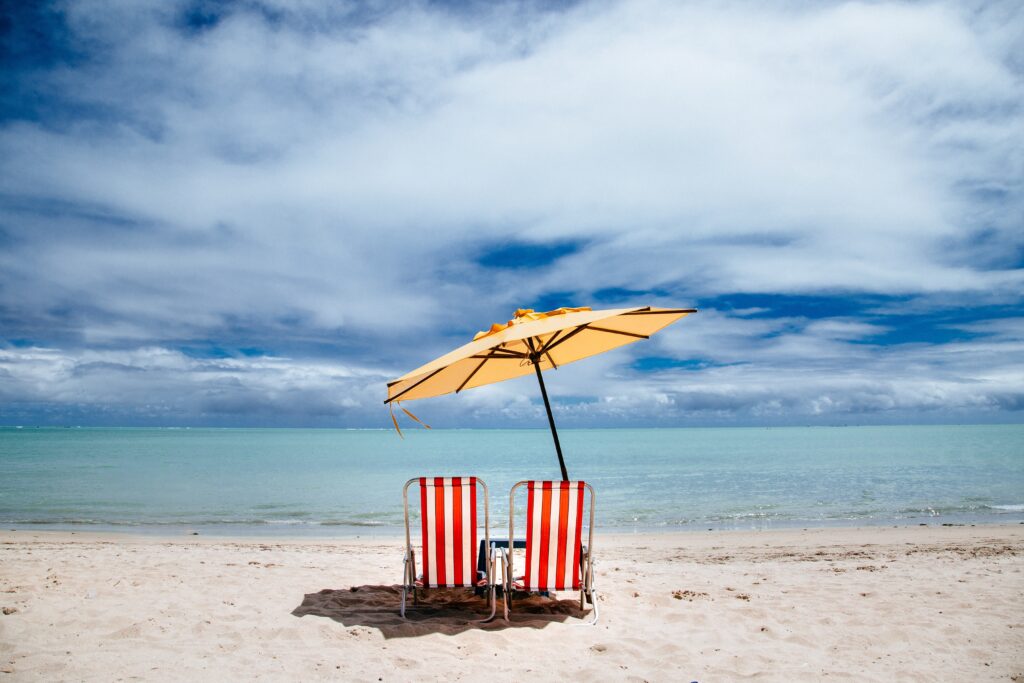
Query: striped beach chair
[
  {"x": 448, "y": 525},
  {"x": 555, "y": 558}
]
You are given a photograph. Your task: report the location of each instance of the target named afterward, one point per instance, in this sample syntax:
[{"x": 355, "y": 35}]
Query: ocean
[{"x": 319, "y": 482}]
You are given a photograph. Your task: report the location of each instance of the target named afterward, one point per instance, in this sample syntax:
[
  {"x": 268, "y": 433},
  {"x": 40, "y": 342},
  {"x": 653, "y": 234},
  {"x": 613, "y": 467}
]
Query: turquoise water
[{"x": 338, "y": 482}]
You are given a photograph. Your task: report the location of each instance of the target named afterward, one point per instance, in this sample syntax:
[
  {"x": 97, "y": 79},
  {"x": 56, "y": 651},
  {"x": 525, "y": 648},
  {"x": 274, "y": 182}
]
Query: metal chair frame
[{"x": 409, "y": 566}]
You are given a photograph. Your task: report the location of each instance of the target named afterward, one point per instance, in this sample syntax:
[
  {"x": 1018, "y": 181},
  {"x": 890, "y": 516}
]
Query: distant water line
[{"x": 344, "y": 482}]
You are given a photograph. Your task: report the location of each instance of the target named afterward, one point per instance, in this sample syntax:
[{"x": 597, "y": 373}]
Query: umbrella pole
[{"x": 551, "y": 418}]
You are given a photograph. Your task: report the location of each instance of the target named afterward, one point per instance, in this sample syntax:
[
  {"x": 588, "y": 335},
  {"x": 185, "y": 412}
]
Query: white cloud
[
  {"x": 780, "y": 371},
  {"x": 172, "y": 388},
  {"x": 328, "y": 178}
]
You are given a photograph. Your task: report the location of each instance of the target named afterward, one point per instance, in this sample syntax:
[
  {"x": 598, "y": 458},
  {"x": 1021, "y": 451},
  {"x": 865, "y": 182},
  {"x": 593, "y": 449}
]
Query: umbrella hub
[{"x": 534, "y": 358}]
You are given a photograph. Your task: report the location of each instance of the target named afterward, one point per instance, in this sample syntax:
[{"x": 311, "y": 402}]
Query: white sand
[{"x": 884, "y": 604}]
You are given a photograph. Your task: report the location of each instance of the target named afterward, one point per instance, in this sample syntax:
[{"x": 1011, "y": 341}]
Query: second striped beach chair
[
  {"x": 555, "y": 557},
  {"x": 448, "y": 526}
]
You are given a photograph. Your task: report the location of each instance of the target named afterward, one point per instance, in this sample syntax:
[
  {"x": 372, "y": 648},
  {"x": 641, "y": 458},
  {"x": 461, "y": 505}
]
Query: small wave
[
  {"x": 368, "y": 522},
  {"x": 65, "y": 521},
  {"x": 291, "y": 522},
  {"x": 78, "y": 521},
  {"x": 938, "y": 510},
  {"x": 743, "y": 516},
  {"x": 973, "y": 508}
]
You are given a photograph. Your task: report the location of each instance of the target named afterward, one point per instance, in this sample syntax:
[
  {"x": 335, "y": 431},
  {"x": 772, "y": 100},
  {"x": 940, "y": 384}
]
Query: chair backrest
[
  {"x": 554, "y": 523},
  {"x": 449, "y": 526}
]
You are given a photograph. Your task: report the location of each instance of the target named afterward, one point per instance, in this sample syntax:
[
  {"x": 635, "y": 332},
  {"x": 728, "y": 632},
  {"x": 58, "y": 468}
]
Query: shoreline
[{"x": 312, "y": 533}]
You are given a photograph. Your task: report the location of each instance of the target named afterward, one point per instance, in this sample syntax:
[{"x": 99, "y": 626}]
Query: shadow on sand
[{"x": 439, "y": 610}]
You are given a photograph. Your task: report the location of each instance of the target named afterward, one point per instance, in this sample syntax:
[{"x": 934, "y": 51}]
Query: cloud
[
  {"x": 349, "y": 186},
  {"x": 158, "y": 386},
  {"x": 777, "y": 371}
]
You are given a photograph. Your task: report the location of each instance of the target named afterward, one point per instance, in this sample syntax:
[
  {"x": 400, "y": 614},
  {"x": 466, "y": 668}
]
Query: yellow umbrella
[{"x": 532, "y": 342}]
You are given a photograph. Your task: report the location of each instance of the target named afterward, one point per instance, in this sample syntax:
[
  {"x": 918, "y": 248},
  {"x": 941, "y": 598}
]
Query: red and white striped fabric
[
  {"x": 554, "y": 520},
  {"x": 448, "y": 514}
]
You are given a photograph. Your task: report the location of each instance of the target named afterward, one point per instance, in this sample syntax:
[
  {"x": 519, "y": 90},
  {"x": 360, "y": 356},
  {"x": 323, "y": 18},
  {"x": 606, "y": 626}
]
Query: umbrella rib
[
  {"x": 551, "y": 340},
  {"x": 505, "y": 354},
  {"x": 408, "y": 389},
  {"x": 466, "y": 381},
  {"x": 552, "y": 344},
  {"x": 663, "y": 311},
  {"x": 626, "y": 334}
]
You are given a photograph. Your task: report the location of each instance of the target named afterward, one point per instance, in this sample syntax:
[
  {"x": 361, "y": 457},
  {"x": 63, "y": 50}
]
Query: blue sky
[{"x": 257, "y": 213}]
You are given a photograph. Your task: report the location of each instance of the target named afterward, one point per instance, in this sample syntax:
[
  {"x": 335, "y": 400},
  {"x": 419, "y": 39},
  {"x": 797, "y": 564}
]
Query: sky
[{"x": 256, "y": 213}]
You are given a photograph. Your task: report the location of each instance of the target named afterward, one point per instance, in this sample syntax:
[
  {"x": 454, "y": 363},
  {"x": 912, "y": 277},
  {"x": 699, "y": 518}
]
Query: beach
[{"x": 905, "y": 603}]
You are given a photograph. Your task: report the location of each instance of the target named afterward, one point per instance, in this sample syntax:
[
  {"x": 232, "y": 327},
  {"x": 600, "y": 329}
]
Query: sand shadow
[{"x": 439, "y": 611}]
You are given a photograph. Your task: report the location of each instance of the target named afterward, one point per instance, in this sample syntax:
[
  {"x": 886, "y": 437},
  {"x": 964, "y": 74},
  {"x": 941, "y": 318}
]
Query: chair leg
[
  {"x": 593, "y": 597},
  {"x": 411, "y": 581},
  {"x": 587, "y": 592},
  {"x": 494, "y": 583},
  {"x": 405, "y": 584},
  {"x": 492, "y": 594},
  {"x": 506, "y": 585},
  {"x": 492, "y": 601}
]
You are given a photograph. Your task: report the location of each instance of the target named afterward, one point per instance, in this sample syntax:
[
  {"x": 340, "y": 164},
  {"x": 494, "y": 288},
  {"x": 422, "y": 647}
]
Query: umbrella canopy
[{"x": 530, "y": 343}]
